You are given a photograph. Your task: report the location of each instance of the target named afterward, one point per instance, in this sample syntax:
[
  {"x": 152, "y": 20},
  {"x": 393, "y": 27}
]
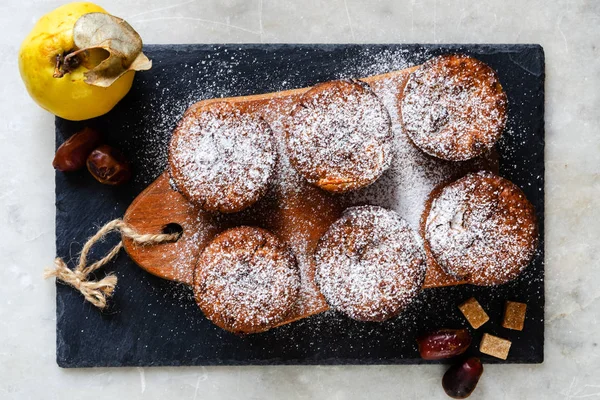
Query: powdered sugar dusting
[
  {"x": 339, "y": 137},
  {"x": 483, "y": 228},
  {"x": 142, "y": 124},
  {"x": 222, "y": 161},
  {"x": 454, "y": 108},
  {"x": 370, "y": 264},
  {"x": 406, "y": 186},
  {"x": 247, "y": 280}
]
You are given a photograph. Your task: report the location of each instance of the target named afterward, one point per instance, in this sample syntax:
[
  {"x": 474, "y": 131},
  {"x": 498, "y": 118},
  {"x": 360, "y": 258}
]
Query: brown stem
[
  {"x": 71, "y": 61},
  {"x": 66, "y": 63},
  {"x": 58, "y": 72}
]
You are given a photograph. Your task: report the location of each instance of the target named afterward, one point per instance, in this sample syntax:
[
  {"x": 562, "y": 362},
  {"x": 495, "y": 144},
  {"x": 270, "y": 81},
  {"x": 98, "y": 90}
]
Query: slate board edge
[{"x": 481, "y": 47}]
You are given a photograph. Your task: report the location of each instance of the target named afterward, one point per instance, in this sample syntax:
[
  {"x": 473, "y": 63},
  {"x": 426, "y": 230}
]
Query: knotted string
[{"x": 97, "y": 292}]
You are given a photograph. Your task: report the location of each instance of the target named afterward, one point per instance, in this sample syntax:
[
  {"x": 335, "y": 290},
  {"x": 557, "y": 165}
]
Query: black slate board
[{"x": 155, "y": 322}]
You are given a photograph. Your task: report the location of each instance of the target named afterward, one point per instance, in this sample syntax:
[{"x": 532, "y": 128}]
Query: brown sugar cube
[
  {"x": 495, "y": 346},
  {"x": 474, "y": 313},
  {"x": 514, "y": 315}
]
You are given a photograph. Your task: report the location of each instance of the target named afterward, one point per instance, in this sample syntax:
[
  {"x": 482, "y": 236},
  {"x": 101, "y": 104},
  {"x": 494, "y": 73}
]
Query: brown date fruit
[
  {"x": 109, "y": 166},
  {"x": 461, "y": 379},
  {"x": 71, "y": 155},
  {"x": 443, "y": 343}
]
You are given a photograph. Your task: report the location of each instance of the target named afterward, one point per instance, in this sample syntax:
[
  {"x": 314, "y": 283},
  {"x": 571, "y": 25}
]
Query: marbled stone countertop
[{"x": 568, "y": 31}]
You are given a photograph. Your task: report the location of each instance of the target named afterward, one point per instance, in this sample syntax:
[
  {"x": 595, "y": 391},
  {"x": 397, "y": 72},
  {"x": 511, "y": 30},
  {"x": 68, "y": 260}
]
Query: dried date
[
  {"x": 461, "y": 379},
  {"x": 73, "y": 153},
  {"x": 109, "y": 166},
  {"x": 443, "y": 343}
]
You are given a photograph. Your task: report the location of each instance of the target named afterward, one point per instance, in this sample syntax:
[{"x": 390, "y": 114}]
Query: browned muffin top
[
  {"x": 246, "y": 280},
  {"x": 339, "y": 137},
  {"x": 482, "y": 228},
  {"x": 453, "y": 107},
  {"x": 220, "y": 158},
  {"x": 370, "y": 264}
]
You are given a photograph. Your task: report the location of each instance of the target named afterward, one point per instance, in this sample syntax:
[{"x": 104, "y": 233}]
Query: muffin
[
  {"x": 246, "y": 280},
  {"x": 220, "y": 158},
  {"x": 369, "y": 264},
  {"x": 481, "y": 228},
  {"x": 453, "y": 107},
  {"x": 339, "y": 136}
]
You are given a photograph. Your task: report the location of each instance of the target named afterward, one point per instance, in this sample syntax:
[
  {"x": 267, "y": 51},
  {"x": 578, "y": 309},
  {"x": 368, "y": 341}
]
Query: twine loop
[{"x": 97, "y": 292}]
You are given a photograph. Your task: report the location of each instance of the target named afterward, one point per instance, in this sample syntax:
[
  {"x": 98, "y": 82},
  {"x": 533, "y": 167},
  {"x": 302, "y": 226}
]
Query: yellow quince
[{"x": 79, "y": 61}]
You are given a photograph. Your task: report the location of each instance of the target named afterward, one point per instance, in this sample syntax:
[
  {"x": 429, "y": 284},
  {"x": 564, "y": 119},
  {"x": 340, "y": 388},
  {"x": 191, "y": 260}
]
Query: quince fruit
[{"x": 79, "y": 61}]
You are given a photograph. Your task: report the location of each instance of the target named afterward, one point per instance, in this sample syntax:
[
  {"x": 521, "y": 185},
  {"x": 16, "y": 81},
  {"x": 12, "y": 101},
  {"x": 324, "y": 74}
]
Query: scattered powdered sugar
[
  {"x": 286, "y": 180},
  {"x": 375, "y": 61},
  {"x": 404, "y": 188},
  {"x": 247, "y": 280},
  {"x": 370, "y": 264},
  {"x": 222, "y": 161},
  {"x": 453, "y": 107},
  {"x": 177, "y": 258},
  {"x": 406, "y": 185},
  {"x": 483, "y": 228},
  {"x": 339, "y": 136}
]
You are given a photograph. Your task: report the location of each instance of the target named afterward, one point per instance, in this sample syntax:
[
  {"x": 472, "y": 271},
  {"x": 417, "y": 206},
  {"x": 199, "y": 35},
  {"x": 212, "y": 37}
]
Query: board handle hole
[{"x": 173, "y": 228}]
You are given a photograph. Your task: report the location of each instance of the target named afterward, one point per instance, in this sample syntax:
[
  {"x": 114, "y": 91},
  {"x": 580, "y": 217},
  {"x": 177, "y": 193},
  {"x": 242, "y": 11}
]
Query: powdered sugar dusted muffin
[
  {"x": 221, "y": 158},
  {"x": 481, "y": 228},
  {"x": 246, "y": 280},
  {"x": 453, "y": 107},
  {"x": 339, "y": 136},
  {"x": 370, "y": 264}
]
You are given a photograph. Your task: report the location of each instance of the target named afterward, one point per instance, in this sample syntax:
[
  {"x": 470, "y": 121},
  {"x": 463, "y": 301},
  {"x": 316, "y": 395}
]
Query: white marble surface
[{"x": 569, "y": 31}]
